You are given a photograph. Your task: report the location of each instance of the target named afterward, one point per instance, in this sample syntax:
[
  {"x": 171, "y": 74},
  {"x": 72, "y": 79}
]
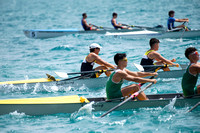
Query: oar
[
  {"x": 142, "y": 27},
  {"x": 65, "y": 75},
  {"x": 141, "y": 67},
  {"x": 193, "y": 107},
  {"x": 184, "y": 31},
  {"x": 131, "y": 97},
  {"x": 102, "y": 27}
]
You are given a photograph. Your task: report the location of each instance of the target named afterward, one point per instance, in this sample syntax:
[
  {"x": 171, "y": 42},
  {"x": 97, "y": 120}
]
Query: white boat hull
[{"x": 179, "y": 34}]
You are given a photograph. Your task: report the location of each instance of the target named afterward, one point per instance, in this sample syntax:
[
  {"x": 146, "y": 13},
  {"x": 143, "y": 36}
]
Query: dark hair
[
  {"x": 114, "y": 14},
  {"x": 84, "y": 14},
  {"x": 153, "y": 41},
  {"x": 92, "y": 50},
  {"x": 119, "y": 56},
  {"x": 171, "y": 12},
  {"x": 189, "y": 50}
]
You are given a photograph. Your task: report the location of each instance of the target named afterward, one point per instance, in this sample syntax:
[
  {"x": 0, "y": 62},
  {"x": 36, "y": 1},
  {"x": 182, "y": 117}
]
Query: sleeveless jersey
[
  {"x": 147, "y": 61},
  {"x": 189, "y": 82},
  {"x": 113, "y": 90}
]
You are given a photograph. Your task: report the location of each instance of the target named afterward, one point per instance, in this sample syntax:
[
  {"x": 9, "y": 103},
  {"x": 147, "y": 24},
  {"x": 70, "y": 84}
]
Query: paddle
[
  {"x": 143, "y": 27},
  {"x": 131, "y": 97},
  {"x": 65, "y": 75},
  {"x": 193, "y": 107}
]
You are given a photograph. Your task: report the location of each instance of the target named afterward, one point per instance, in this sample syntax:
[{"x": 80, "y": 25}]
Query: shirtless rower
[
  {"x": 115, "y": 81},
  {"x": 190, "y": 77},
  {"x": 91, "y": 59},
  {"x": 87, "y": 27},
  {"x": 151, "y": 55}
]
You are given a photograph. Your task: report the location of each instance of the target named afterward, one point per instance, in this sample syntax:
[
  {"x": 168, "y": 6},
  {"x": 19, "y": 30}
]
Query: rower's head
[
  {"x": 120, "y": 59},
  {"x": 114, "y": 15},
  {"x": 171, "y": 13},
  {"x": 192, "y": 54},
  {"x": 95, "y": 47},
  {"x": 154, "y": 44},
  {"x": 84, "y": 15}
]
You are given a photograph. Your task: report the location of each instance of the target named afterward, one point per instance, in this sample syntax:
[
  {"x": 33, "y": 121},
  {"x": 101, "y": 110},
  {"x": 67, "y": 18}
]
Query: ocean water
[{"x": 23, "y": 58}]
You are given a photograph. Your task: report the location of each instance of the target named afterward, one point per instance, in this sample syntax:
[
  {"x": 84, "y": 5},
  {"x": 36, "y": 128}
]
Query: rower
[
  {"x": 190, "y": 77},
  {"x": 151, "y": 55},
  {"x": 87, "y": 27},
  {"x": 91, "y": 59},
  {"x": 115, "y": 24},
  {"x": 171, "y": 20},
  {"x": 115, "y": 81}
]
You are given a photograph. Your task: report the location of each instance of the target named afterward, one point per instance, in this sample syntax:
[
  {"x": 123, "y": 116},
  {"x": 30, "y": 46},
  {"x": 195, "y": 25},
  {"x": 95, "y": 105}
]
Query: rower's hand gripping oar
[
  {"x": 131, "y": 97},
  {"x": 65, "y": 75}
]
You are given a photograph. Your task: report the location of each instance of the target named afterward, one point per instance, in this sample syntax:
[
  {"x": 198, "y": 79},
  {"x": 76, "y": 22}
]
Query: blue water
[{"x": 24, "y": 58}]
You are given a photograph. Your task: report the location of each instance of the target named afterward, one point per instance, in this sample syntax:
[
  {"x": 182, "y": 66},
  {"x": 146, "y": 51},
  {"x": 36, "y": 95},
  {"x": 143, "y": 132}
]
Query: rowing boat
[
  {"x": 50, "y": 33},
  {"x": 157, "y": 34},
  {"x": 70, "y": 104},
  {"x": 78, "y": 82}
]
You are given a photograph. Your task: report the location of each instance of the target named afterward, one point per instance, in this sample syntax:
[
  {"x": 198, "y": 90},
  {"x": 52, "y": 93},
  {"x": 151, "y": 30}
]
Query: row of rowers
[
  {"x": 170, "y": 22},
  {"x": 115, "y": 81}
]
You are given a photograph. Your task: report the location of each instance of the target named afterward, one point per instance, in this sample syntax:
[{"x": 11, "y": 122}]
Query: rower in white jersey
[{"x": 91, "y": 59}]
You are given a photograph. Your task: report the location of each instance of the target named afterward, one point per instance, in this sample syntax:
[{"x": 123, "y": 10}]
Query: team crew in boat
[
  {"x": 115, "y": 81},
  {"x": 151, "y": 55},
  {"x": 87, "y": 27},
  {"x": 171, "y": 20},
  {"x": 115, "y": 24},
  {"x": 91, "y": 59},
  {"x": 190, "y": 77}
]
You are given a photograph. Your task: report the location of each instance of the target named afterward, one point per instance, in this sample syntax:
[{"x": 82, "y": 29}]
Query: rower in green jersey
[
  {"x": 190, "y": 77},
  {"x": 115, "y": 81}
]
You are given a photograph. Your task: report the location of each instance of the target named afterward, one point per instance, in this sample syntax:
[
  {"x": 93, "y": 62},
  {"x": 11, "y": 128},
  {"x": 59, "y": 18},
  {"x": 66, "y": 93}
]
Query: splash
[
  {"x": 83, "y": 111},
  {"x": 170, "y": 106}
]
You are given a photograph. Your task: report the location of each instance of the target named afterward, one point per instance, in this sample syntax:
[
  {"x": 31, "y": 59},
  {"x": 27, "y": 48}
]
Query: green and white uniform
[
  {"x": 113, "y": 90},
  {"x": 189, "y": 83}
]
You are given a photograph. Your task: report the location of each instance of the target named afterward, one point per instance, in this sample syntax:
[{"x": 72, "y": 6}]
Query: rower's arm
[
  {"x": 102, "y": 62},
  {"x": 115, "y": 24},
  {"x": 159, "y": 57},
  {"x": 182, "y": 20},
  {"x": 140, "y": 74},
  {"x": 85, "y": 23},
  {"x": 138, "y": 79},
  {"x": 195, "y": 69}
]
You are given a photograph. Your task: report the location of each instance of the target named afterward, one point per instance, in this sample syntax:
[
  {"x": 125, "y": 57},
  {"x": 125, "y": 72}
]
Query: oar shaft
[
  {"x": 90, "y": 72},
  {"x": 132, "y": 96},
  {"x": 193, "y": 107}
]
